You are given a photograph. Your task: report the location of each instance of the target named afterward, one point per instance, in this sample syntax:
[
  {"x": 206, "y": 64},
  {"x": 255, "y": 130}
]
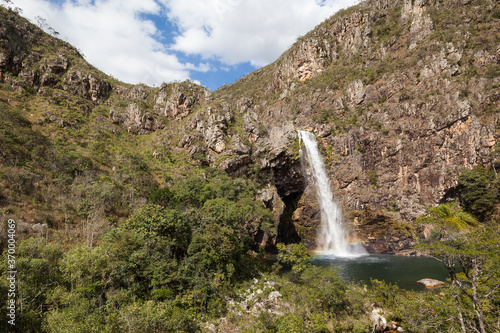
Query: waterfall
[{"x": 333, "y": 238}]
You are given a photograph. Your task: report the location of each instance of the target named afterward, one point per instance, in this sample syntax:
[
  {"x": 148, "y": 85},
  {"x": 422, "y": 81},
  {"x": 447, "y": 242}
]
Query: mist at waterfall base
[{"x": 352, "y": 261}]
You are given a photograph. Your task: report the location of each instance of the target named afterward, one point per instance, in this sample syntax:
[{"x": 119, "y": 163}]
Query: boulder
[
  {"x": 135, "y": 120},
  {"x": 379, "y": 323},
  {"x": 430, "y": 283},
  {"x": 274, "y": 297},
  {"x": 356, "y": 91}
]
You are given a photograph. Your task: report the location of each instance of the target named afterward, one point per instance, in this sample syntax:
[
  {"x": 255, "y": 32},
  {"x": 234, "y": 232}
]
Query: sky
[{"x": 210, "y": 42}]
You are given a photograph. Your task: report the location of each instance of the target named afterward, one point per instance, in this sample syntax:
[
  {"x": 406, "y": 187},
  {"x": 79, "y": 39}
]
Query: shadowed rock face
[{"x": 402, "y": 95}]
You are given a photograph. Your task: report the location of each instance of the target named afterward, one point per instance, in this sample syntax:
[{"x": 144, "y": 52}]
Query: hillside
[{"x": 153, "y": 209}]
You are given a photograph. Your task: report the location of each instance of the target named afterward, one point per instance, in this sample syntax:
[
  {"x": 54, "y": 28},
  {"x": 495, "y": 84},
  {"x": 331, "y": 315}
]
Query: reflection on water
[{"x": 400, "y": 270}]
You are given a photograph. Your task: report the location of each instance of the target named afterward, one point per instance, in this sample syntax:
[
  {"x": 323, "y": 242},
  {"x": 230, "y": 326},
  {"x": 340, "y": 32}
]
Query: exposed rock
[
  {"x": 255, "y": 301},
  {"x": 178, "y": 105},
  {"x": 139, "y": 92},
  {"x": 271, "y": 199},
  {"x": 243, "y": 104},
  {"x": 431, "y": 283},
  {"x": 356, "y": 91},
  {"x": 86, "y": 85},
  {"x": 48, "y": 72},
  {"x": 379, "y": 323},
  {"x": 235, "y": 165},
  {"x": 281, "y": 136},
  {"x": 306, "y": 218},
  {"x": 157, "y": 155},
  {"x": 274, "y": 297},
  {"x": 307, "y": 60},
  {"x": 55, "y": 65},
  {"x": 311, "y": 55},
  {"x": 188, "y": 140},
  {"x": 239, "y": 148},
  {"x": 3, "y": 65},
  {"x": 421, "y": 24},
  {"x": 444, "y": 63},
  {"x": 212, "y": 125}
]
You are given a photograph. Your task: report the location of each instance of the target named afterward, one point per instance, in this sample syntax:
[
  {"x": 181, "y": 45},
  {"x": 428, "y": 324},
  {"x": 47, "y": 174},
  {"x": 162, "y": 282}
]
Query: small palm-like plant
[{"x": 448, "y": 218}]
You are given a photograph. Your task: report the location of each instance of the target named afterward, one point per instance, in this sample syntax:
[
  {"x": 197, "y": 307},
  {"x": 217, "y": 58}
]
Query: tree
[
  {"x": 37, "y": 264},
  {"x": 478, "y": 191},
  {"x": 472, "y": 261},
  {"x": 294, "y": 257}
]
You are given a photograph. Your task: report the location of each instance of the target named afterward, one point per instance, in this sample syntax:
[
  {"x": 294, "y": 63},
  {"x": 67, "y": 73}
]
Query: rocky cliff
[{"x": 402, "y": 94}]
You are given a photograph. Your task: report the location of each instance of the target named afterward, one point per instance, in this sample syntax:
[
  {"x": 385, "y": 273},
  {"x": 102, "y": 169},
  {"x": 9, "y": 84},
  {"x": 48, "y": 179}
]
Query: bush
[
  {"x": 293, "y": 257},
  {"x": 160, "y": 196},
  {"x": 478, "y": 191},
  {"x": 171, "y": 225}
]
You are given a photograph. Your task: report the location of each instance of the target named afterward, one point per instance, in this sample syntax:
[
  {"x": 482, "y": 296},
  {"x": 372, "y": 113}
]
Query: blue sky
[{"x": 211, "y": 42}]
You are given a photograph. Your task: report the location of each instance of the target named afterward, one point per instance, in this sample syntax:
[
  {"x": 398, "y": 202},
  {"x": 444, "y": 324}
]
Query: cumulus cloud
[
  {"x": 114, "y": 37},
  {"x": 255, "y": 31},
  {"x": 121, "y": 38}
]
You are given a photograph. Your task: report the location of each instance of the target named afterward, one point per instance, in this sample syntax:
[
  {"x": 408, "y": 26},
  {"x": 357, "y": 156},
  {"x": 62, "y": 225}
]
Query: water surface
[{"x": 400, "y": 270}]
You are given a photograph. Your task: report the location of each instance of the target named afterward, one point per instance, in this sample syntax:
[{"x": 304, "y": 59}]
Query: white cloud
[
  {"x": 235, "y": 31},
  {"x": 116, "y": 37}
]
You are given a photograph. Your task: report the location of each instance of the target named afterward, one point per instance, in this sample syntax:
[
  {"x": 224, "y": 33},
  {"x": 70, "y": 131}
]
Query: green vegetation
[
  {"x": 389, "y": 26},
  {"x": 177, "y": 257},
  {"x": 146, "y": 279},
  {"x": 479, "y": 191},
  {"x": 139, "y": 235},
  {"x": 373, "y": 178},
  {"x": 472, "y": 261}
]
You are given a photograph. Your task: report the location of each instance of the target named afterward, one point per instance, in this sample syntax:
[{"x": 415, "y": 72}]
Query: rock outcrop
[
  {"x": 24, "y": 54},
  {"x": 135, "y": 120}
]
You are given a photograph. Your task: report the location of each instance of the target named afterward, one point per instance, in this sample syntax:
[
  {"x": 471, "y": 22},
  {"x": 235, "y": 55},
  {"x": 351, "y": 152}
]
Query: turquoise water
[{"x": 400, "y": 270}]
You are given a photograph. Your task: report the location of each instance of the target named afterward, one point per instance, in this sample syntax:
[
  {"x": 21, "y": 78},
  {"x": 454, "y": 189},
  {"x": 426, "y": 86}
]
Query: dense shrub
[{"x": 479, "y": 191}]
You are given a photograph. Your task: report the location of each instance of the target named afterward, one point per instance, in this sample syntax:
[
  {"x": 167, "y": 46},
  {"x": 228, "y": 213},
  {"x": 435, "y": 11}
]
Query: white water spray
[{"x": 333, "y": 238}]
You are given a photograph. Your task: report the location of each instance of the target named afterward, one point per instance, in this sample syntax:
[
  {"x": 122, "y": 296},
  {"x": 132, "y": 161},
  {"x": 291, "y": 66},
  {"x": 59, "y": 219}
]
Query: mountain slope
[{"x": 403, "y": 95}]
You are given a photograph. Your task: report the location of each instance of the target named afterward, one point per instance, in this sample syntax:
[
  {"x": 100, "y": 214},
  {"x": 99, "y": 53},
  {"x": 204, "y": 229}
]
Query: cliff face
[{"x": 403, "y": 95}]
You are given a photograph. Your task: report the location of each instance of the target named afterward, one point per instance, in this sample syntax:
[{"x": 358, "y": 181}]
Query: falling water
[{"x": 333, "y": 238}]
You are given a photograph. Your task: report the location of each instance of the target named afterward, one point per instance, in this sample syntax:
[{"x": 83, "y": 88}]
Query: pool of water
[{"x": 400, "y": 270}]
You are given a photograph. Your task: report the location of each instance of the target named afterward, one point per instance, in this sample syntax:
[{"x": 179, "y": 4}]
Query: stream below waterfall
[{"x": 400, "y": 270}]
